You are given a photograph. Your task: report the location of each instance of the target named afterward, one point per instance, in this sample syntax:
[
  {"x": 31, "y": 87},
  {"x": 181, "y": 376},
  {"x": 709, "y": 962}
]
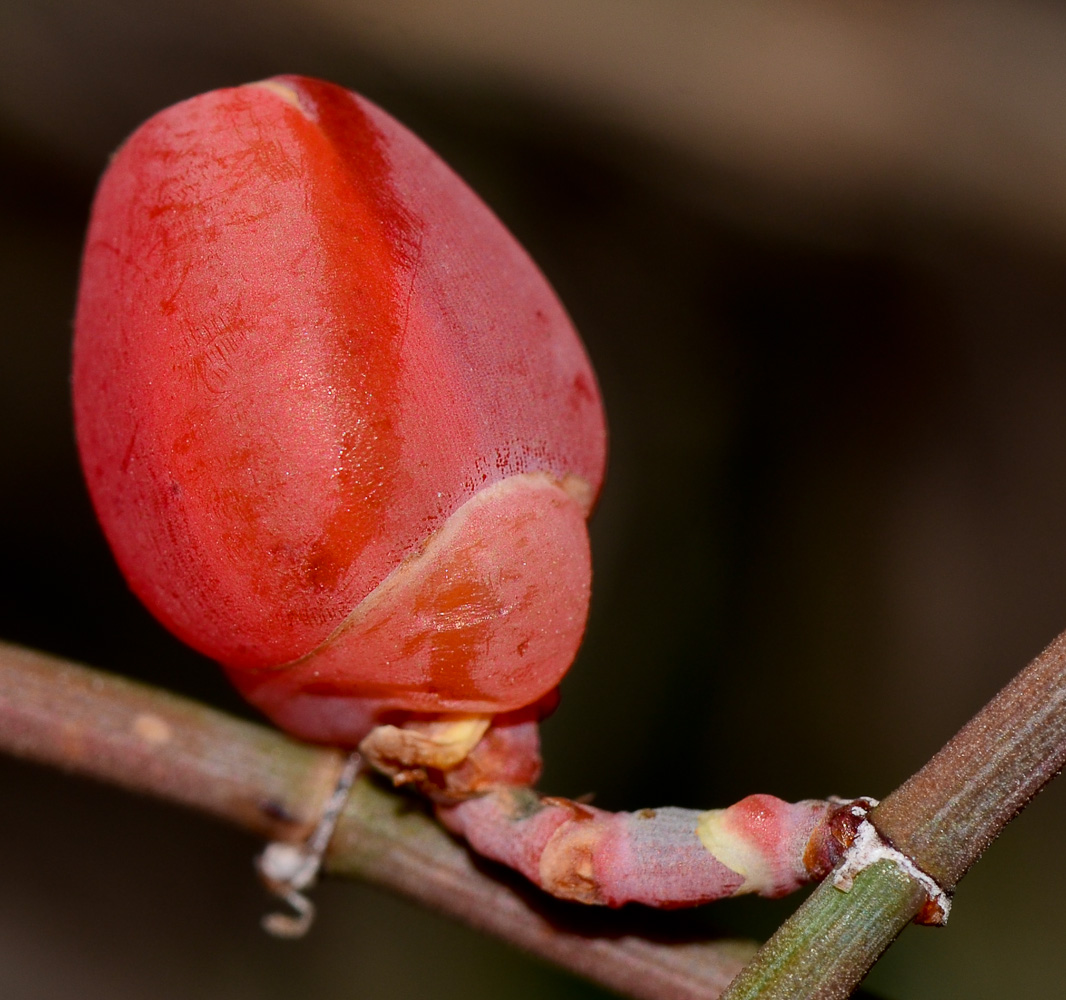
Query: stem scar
[{"x": 869, "y": 847}]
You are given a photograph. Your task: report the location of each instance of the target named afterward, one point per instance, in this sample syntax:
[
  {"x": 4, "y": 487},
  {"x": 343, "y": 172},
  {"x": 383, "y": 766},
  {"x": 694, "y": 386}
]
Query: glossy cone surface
[{"x": 303, "y": 345}]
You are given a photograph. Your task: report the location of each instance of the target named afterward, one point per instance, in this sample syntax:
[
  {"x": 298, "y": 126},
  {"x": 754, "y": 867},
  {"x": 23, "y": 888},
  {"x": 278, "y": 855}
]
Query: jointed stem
[
  {"x": 947, "y": 814},
  {"x": 479, "y": 771},
  {"x": 106, "y": 727},
  {"x": 825, "y": 948},
  {"x": 63, "y": 714},
  {"x": 666, "y": 857},
  {"x": 942, "y": 818}
]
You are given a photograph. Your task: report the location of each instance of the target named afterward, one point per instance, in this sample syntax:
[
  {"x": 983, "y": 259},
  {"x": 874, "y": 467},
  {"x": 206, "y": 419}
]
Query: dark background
[{"x": 816, "y": 250}]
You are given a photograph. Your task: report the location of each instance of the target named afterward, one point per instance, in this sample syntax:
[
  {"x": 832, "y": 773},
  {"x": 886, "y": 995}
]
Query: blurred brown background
[{"x": 818, "y": 254}]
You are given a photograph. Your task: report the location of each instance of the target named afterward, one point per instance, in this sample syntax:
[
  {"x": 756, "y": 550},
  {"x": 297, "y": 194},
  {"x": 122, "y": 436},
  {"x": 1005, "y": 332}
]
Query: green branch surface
[
  {"x": 96, "y": 724},
  {"x": 943, "y": 818}
]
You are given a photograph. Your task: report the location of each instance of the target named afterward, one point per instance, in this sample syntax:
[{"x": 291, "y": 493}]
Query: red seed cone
[{"x": 303, "y": 347}]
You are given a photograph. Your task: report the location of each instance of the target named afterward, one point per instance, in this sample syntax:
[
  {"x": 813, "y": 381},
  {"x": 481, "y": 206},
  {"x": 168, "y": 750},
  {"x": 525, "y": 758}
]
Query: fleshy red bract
[{"x": 339, "y": 431}]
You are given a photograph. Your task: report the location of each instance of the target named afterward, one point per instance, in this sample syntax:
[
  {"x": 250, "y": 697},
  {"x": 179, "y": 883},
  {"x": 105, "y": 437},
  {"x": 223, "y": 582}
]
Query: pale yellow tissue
[
  {"x": 420, "y": 743},
  {"x": 735, "y": 851}
]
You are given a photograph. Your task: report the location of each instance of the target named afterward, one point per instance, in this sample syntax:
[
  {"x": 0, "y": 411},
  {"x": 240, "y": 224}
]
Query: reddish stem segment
[
  {"x": 92, "y": 723},
  {"x": 665, "y": 857},
  {"x": 480, "y": 772}
]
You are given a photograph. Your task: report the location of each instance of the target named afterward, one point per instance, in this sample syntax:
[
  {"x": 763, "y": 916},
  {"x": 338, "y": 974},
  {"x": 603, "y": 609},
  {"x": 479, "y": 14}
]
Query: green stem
[
  {"x": 829, "y": 943},
  {"x": 946, "y": 815},
  {"x": 92, "y": 723},
  {"x": 942, "y": 818}
]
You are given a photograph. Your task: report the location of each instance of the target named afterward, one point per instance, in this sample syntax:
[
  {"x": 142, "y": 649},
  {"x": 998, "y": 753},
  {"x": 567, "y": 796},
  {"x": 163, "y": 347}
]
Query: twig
[
  {"x": 95, "y": 724},
  {"x": 827, "y": 946},
  {"x": 947, "y": 814},
  {"x": 942, "y": 818}
]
